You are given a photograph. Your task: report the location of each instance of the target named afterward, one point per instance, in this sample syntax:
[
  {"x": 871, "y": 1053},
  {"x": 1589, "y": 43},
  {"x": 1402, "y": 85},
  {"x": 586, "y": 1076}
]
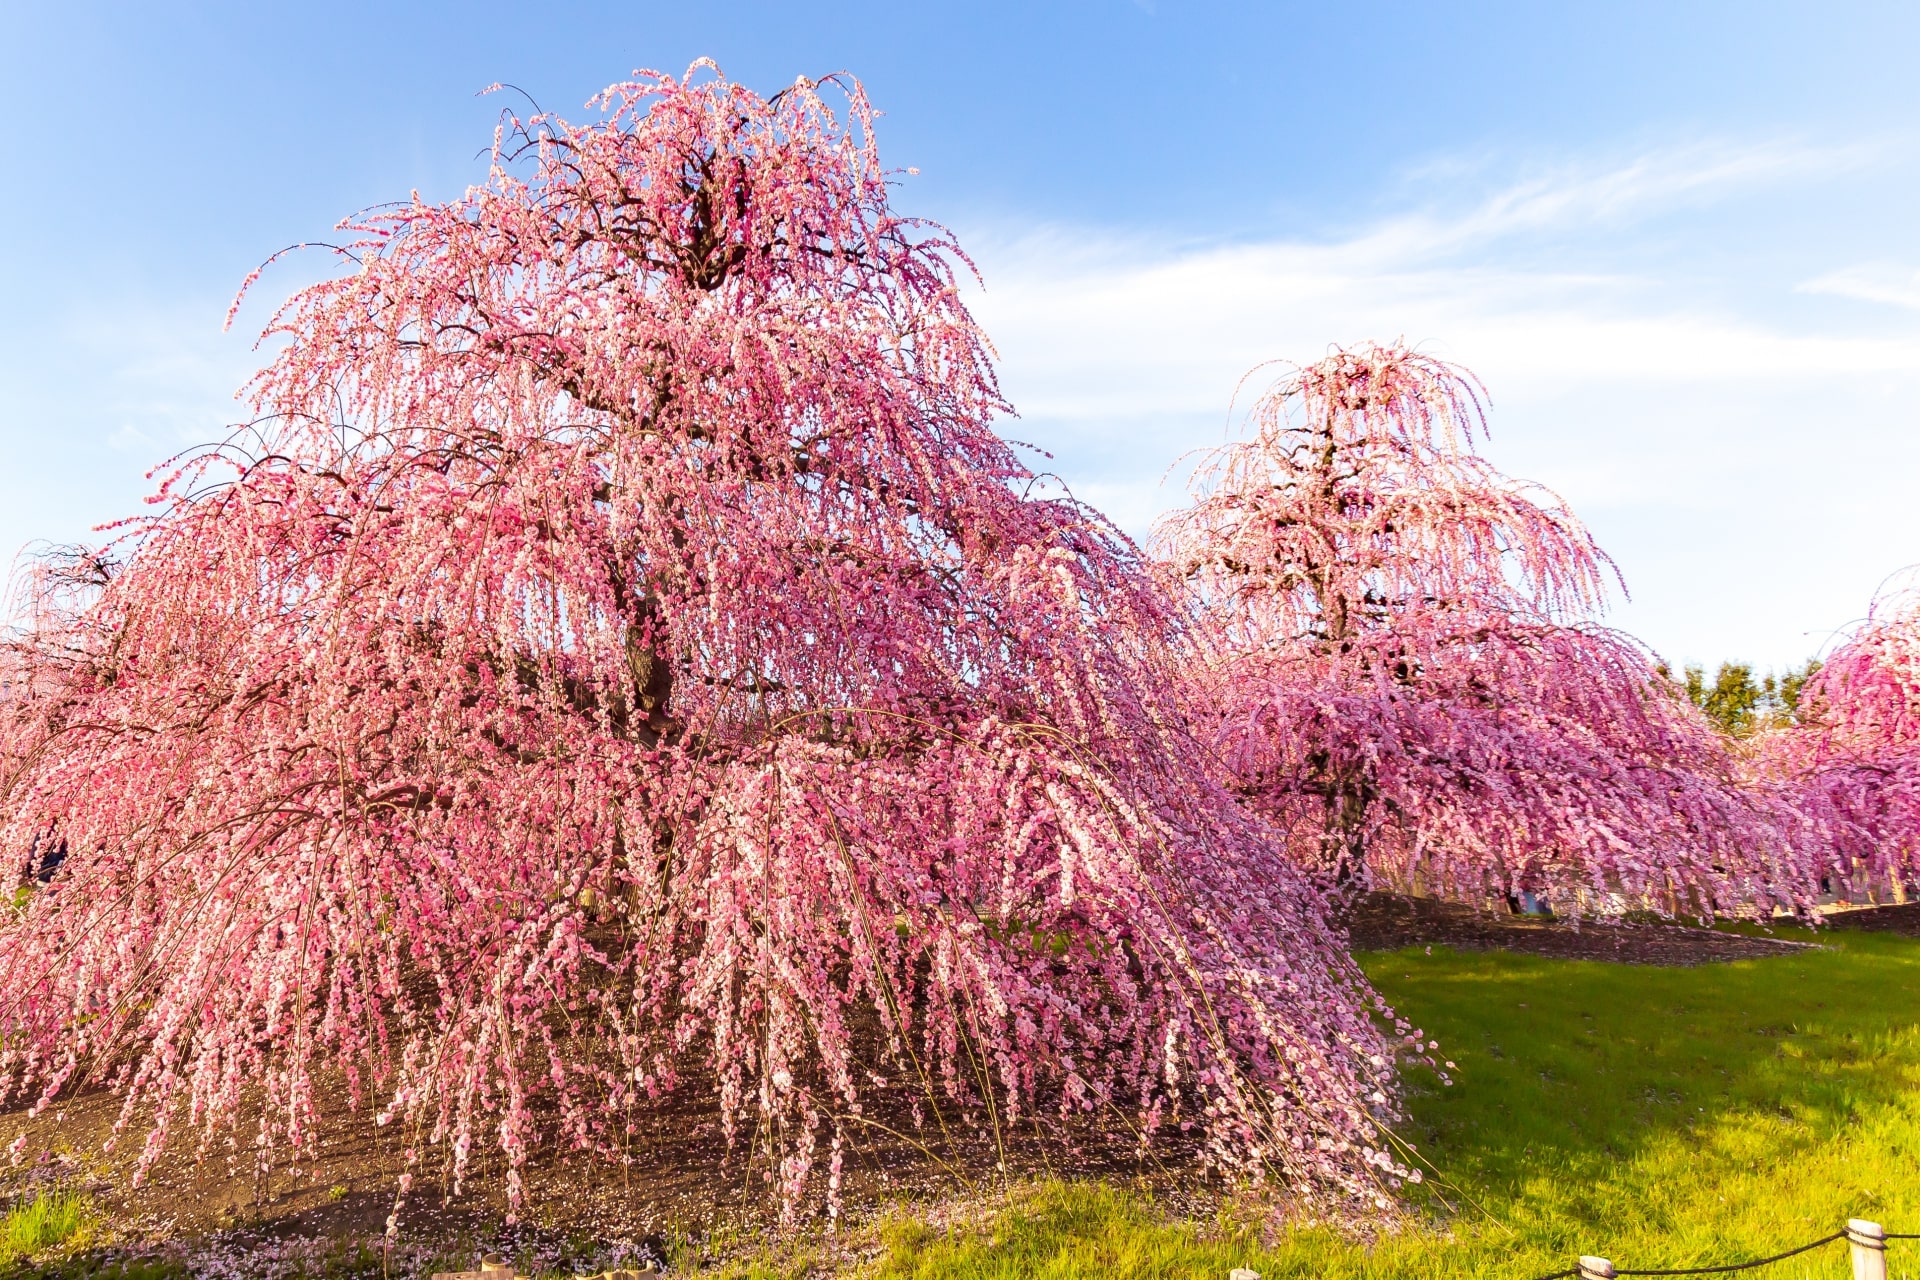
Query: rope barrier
[{"x": 1730, "y": 1266}]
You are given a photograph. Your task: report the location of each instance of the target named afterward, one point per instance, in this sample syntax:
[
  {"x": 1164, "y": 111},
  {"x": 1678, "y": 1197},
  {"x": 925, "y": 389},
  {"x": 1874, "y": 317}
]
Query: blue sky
[{"x": 1678, "y": 243}]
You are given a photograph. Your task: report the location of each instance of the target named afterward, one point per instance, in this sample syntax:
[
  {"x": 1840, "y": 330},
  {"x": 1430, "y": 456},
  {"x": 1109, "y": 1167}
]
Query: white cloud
[
  {"x": 131, "y": 439},
  {"x": 1126, "y": 335},
  {"x": 1887, "y": 282},
  {"x": 1750, "y": 463},
  {"x": 1574, "y": 196},
  {"x": 108, "y": 394},
  {"x": 1091, "y": 323}
]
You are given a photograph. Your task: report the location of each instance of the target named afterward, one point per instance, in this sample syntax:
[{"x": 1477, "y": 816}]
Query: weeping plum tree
[
  {"x": 622, "y": 654},
  {"x": 1406, "y": 675},
  {"x": 1852, "y": 756}
]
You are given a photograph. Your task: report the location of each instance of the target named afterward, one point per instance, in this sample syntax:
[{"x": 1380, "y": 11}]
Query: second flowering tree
[{"x": 1405, "y": 671}]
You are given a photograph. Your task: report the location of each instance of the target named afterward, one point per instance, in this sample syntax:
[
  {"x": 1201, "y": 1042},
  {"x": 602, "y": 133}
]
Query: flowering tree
[
  {"x": 623, "y": 652},
  {"x": 1851, "y": 759},
  {"x": 1406, "y": 674}
]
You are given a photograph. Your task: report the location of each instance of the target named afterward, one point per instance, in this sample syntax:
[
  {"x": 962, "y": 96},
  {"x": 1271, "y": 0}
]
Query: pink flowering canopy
[
  {"x": 1853, "y": 759},
  {"x": 1406, "y": 673},
  {"x": 623, "y": 658}
]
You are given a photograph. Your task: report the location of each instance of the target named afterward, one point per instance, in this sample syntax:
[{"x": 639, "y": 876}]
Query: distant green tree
[
  {"x": 1791, "y": 686},
  {"x": 1739, "y": 705},
  {"x": 1731, "y": 701}
]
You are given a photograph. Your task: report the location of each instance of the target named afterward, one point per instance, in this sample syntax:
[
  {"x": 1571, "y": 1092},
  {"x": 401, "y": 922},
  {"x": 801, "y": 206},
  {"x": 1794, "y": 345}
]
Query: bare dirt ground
[
  {"x": 1892, "y": 919},
  {"x": 682, "y": 1181},
  {"x": 1389, "y": 921}
]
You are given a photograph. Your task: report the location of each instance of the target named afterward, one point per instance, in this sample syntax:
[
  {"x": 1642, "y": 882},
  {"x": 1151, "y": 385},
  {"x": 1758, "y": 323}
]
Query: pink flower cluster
[{"x": 1853, "y": 756}]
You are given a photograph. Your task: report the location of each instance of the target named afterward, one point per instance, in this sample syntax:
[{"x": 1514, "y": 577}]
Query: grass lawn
[
  {"x": 1660, "y": 1117},
  {"x": 45, "y": 1221}
]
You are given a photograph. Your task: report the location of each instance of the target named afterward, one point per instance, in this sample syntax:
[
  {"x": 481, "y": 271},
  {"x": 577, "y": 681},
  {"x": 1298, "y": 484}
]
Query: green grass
[
  {"x": 1660, "y": 1117},
  {"x": 50, "y": 1219}
]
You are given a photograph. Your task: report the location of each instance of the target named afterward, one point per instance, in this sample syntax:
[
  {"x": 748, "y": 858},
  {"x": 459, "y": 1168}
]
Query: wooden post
[
  {"x": 1595, "y": 1269},
  {"x": 1867, "y": 1242},
  {"x": 495, "y": 1265}
]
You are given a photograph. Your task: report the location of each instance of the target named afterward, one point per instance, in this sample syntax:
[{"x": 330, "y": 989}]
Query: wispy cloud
[
  {"x": 118, "y": 392},
  {"x": 1891, "y": 283},
  {"x": 1664, "y": 400},
  {"x": 1571, "y": 197},
  {"x": 1092, "y": 325}
]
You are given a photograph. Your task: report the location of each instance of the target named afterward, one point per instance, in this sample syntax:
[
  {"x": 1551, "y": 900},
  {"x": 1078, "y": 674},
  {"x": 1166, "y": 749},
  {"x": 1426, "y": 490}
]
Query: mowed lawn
[{"x": 1661, "y": 1117}]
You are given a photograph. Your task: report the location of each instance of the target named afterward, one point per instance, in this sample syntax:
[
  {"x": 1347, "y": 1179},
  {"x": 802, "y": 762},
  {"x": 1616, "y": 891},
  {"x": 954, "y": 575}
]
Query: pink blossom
[{"x": 1852, "y": 758}]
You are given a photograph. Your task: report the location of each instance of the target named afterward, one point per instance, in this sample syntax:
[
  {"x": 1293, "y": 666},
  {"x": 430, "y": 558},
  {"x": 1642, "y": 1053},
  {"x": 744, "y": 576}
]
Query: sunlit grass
[
  {"x": 1661, "y": 1117},
  {"x": 50, "y": 1219}
]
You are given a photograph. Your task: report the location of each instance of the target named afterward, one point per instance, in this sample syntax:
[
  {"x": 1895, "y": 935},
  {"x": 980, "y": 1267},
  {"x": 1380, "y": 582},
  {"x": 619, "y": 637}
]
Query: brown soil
[
  {"x": 1901, "y": 919},
  {"x": 683, "y": 1180},
  {"x": 1390, "y": 921}
]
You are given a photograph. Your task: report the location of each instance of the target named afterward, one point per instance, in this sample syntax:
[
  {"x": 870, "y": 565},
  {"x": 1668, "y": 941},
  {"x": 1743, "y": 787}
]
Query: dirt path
[
  {"x": 683, "y": 1180},
  {"x": 1902, "y": 919},
  {"x": 1389, "y": 921}
]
